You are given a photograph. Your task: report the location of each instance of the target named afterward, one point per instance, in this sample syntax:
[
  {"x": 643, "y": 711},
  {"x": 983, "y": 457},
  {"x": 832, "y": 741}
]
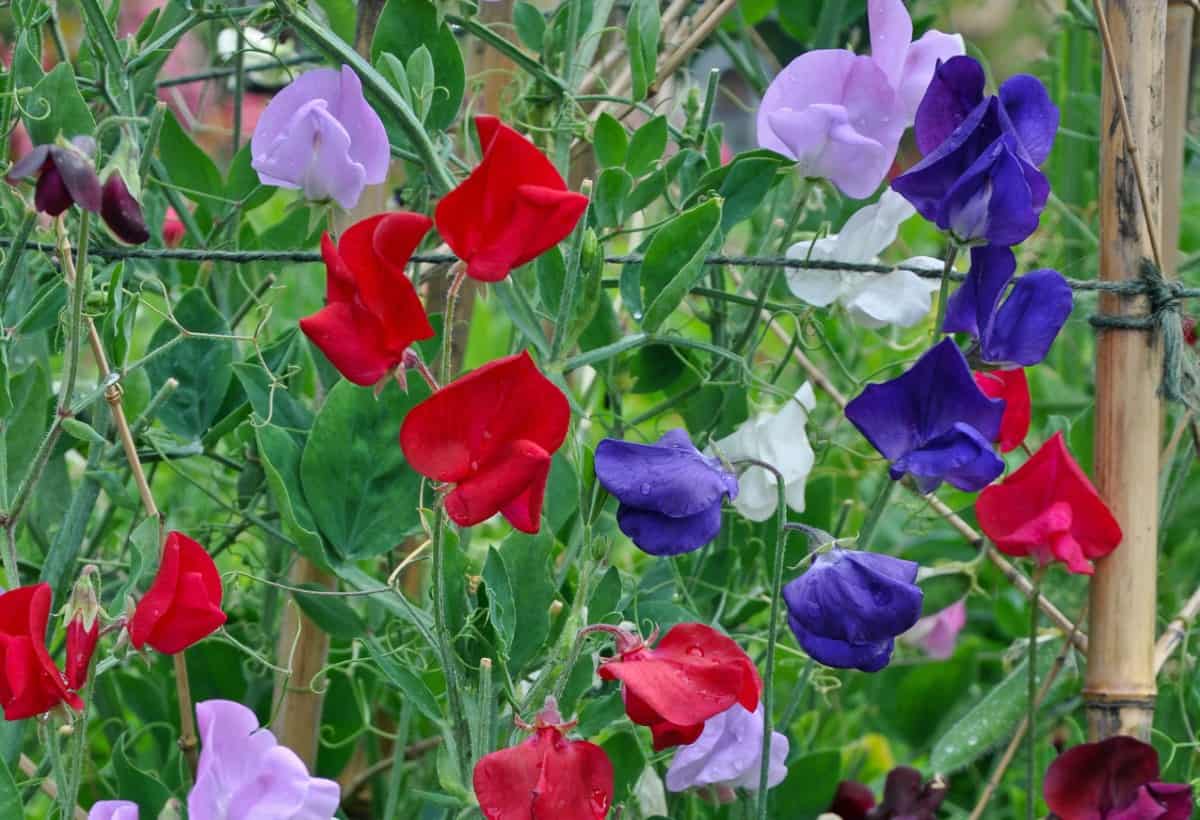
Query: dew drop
[
  {"x": 645, "y": 488},
  {"x": 695, "y": 652},
  {"x": 600, "y": 802},
  {"x": 474, "y": 465}
]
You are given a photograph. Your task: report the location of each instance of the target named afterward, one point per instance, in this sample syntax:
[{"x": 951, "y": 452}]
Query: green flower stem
[
  {"x": 525, "y": 61},
  {"x": 566, "y": 301},
  {"x": 376, "y": 86},
  {"x": 875, "y": 511},
  {"x": 445, "y": 646},
  {"x": 944, "y": 292},
  {"x": 1031, "y": 706},
  {"x": 152, "y": 133}
]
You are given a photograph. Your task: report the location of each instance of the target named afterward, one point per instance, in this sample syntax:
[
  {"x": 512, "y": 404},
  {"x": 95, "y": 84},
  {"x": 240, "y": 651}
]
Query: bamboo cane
[{"x": 1120, "y": 689}]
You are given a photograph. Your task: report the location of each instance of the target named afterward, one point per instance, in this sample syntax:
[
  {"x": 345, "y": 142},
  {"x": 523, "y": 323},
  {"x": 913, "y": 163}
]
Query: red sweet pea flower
[
  {"x": 546, "y": 776},
  {"x": 1050, "y": 510},
  {"x": 511, "y": 209},
  {"x": 183, "y": 604},
  {"x": 372, "y": 312},
  {"x": 694, "y": 673},
  {"x": 30, "y": 683},
  {"x": 173, "y": 229},
  {"x": 1115, "y": 779},
  {"x": 491, "y": 433},
  {"x": 1013, "y": 387},
  {"x": 83, "y": 627}
]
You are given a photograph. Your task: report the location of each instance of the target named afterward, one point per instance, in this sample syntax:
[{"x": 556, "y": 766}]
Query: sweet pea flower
[
  {"x": 83, "y": 627},
  {"x": 728, "y": 754},
  {"x": 1019, "y": 330},
  {"x": 1013, "y": 388},
  {"x": 491, "y": 433},
  {"x": 873, "y": 300},
  {"x": 693, "y": 674},
  {"x": 546, "y": 775},
  {"x": 979, "y": 177},
  {"x": 113, "y": 810},
  {"x": 839, "y": 115},
  {"x": 320, "y": 136},
  {"x": 851, "y": 801},
  {"x": 777, "y": 439},
  {"x": 121, "y": 211},
  {"x": 848, "y": 607},
  {"x": 243, "y": 772},
  {"x": 906, "y": 796},
  {"x": 670, "y": 494},
  {"x": 511, "y": 209},
  {"x": 1115, "y": 779},
  {"x": 933, "y": 422},
  {"x": 173, "y": 229},
  {"x": 1048, "y": 509},
  {"x": 183, "y": 604},
  {"x": 372, "y": 312},
  {"x": 65, "y": 176},
  {"x": 30, "y": 683},
  {"x": 937, "y": 634}
]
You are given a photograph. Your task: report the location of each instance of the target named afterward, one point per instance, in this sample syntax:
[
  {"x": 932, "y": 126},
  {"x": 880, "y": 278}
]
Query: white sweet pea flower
[
  {"x": 872, "y": 299},
  {"x": 779, "y": 440},
  {"x": 260, "y": 51}
]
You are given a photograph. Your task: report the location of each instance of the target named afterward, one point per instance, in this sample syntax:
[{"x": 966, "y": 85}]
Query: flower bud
[
  {"x": 122, "y": 213},
  {"x": 83, "y": 627}
]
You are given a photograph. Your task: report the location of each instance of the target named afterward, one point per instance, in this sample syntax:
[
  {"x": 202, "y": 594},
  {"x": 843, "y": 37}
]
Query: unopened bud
[
  {"x": 66, "y": 730},
  {"x": 556, "y": 608}
]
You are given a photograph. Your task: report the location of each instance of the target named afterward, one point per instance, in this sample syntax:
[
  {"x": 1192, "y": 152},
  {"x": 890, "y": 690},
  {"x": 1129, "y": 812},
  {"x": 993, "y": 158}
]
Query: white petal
[
  {"x": 870, "y": 230},
  {"x": 898, "y": 298},
  {"x": 817, "y": 287}
]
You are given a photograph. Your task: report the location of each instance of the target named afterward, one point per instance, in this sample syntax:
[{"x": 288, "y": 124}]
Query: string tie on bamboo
[{"x": 1181, "y": 374}]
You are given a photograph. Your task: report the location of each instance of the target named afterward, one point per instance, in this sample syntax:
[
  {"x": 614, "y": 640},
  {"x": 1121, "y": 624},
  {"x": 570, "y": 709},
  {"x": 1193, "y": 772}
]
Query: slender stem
[
  {"x": 152, "y": 132},
  {"x": 16, "y": 249},
  {"x": 944, "y": 291},
  {"x": 566, "y": 301},
  {"x": 459, "y": 274},
  {"x": 76, "y": 275},
  {"x": 1031, "y": 761},
  {"x": 875, "y": 512},
  {"x": 446, "y": 644}
]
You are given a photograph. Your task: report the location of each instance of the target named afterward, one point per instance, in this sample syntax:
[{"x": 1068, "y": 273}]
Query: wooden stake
[
  {"x": 1177, "y": 85},
  {"x": 1119, "y": 689}
]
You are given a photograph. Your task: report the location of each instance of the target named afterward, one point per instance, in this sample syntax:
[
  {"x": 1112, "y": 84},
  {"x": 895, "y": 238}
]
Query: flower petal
[
  {"x": 1029, "y": 320},
  {"x": 891, "y": 34},
  {"x": 955, "y": 90},
  {"x": 917, "y": 74},
  {"x": 660, "y": 534},
  {"x": 1032, "y": 113}
]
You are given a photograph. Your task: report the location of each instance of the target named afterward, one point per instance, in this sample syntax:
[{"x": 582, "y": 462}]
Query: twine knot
[{"x": 1181, "y": 375}]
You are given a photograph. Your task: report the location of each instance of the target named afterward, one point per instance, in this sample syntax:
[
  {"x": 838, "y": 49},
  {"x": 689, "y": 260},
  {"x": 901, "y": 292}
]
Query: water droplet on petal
[
  {"x": 645, "y": 488},
  {"x": 695, "y": 651},
  {"x": 599, "y": 802}
]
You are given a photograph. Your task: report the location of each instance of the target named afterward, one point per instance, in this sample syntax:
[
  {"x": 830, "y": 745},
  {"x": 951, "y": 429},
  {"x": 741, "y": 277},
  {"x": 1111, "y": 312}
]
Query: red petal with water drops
[
  {"x": 546, "y": 776},
  {"x": 1049, "y": 509},
  {"x": 1013, "y": 387}
]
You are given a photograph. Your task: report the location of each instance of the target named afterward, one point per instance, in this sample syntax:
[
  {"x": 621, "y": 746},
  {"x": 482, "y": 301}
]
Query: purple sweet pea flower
[
  {"x": 848, "y": 608},
  {"x": 979, "y": 178},
  {"x": 1018, "y": 332},
  {"x": 244, "y": 772},
  {"x": 113, "y": 810},
  {"x": 670, "y": 493},
  {"x": 933, "y": 421},
  {"x": 320, "y": 135},
  {"x": 65, "y": 176},
  {"x": 840, "y": 115},
  {"x": 728, "y": 754}
]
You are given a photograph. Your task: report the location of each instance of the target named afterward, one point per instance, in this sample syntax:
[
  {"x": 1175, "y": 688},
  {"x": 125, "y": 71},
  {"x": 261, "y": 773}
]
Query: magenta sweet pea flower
[
  {"x": 979, "y": 178},
  {"x": 1013, "y": 331},
  {"x": 841, "y": 115},
  {"x": 728, "y": 754},
  {"x": 937, "y": 634},
  {"x": 244, "y": 772},
  {"x": 113, "y": 810},
  {"x": 320, "y": 136}
]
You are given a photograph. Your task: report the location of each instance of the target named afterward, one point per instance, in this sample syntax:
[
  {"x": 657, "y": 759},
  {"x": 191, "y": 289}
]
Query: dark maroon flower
[
  {"x": 852, "y": 800},
  {"x": 906, "y": 796},
  {"x": 65, "y": 176},
  {"x": 122, "y": 213},
  {"x": 1115, "y": 779}
]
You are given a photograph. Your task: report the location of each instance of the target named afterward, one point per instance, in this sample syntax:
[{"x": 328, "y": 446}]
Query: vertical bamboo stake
[
  {"x": 1177, "y": 86},
  {"x": 1119, "y": 690}
]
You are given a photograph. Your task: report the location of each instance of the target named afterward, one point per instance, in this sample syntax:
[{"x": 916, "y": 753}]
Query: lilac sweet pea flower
[
  {"x": 848, "y": 608},
  {"x": 670, "y": 493},
  {"x": 113, "y": 810},
  {"x": 840, "y": 115},
  {"x": 1018, "y": 332},
  {"x": 937, "y": 634},
  {"x": 728, "y": 754},
  {"x": 933, "y": 421},
  {"x": 979, "y": 178},
  {"x": 244, "y": 773},
  {"x": 65, "y": 176},
  {"x": 320, "y": 135}
]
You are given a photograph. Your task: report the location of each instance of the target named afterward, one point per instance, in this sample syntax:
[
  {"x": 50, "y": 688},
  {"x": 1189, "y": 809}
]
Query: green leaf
[
  {"x": 647, "y": 146},
  {"x": 527, "y": 559},
  {"x": 280, "y": 455},
  {"x": 362, "y": 494},
  {"x": 58, "y": 94},
  {"x": 742, "y": 184},
  {"x": 26, "y": 424},
  {"x": 420, "y": 73},
  {"x": 674, "y": 260},
  {"x": 608, "y": 200},
  {"x": 994, "y": 718},
  {"x": 642, "y": 27},
  {"x": 138, "y": 786},
  {"x": 407, "y": 25},
  {"x": 628, "y": 761},
  {"x": 82, "y": 431},
  {"x": 244, "y": 185},
  {"x": 530, "y": 25},
  {"x": 809, "y": 787},
  {"x": 273, "y": 404},
  {"x": 144, "y": 546},
  {"x": 501, "y": 609},
  {"x": 413, "y": 688},
  {"x": 10, "y": 795},
  {"x": 187, "y": 163},
  {"x": 648, "y": 190},
  {"x": 610, "y": 141},
  {"x": 203, "y": 367},
  {"x": 606, "y": 596},
  {"x": 332, "y": 614}
]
